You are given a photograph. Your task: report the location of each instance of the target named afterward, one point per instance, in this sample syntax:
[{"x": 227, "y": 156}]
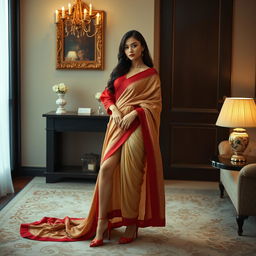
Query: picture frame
[{"x": 80, "y": 53}]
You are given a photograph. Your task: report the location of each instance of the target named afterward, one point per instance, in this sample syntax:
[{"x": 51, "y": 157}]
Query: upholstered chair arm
[
  {"x": 247, "y": 190},
  {"x": 249, "y": 171},
  {"x": 224, "y": 148}
]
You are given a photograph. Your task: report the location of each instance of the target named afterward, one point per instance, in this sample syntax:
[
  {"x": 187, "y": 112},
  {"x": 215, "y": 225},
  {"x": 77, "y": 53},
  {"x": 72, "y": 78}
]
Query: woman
[{"x": 129, "y": 189}]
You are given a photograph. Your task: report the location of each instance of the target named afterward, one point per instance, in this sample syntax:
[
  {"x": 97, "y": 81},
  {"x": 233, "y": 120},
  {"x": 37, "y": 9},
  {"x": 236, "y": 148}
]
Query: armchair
[{"x": 240, "y": 185}]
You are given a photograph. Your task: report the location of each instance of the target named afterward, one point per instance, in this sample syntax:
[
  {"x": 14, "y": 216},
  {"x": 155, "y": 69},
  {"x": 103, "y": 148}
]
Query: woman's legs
[
  {"x": 131, "y": 167},
  {"x": 105, "y": 190}
]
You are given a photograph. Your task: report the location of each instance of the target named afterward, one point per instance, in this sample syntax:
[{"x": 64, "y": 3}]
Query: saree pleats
[
  {"x": 138, "y": 188},
  {"x": 132, "y": 165}
]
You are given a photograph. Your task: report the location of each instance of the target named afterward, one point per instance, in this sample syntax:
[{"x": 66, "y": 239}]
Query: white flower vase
[{"x": 61, "y": 102}]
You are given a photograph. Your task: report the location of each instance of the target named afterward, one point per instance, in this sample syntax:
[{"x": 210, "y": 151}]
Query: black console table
[{"x": 69, "y": 122}]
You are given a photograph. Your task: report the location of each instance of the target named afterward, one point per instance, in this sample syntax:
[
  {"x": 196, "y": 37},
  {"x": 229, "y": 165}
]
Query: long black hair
[{"x": 124, "y": 64}]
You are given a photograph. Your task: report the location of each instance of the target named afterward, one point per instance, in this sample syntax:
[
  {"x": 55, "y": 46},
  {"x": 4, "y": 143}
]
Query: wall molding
[{"x": 31, "y": 171}]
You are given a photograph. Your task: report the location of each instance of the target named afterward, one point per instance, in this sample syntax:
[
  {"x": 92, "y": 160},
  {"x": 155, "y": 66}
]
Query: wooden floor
[{"x": 18, "y": 183}]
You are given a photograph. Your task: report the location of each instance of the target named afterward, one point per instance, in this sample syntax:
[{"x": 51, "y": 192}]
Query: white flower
[
  {"x": 97, "y": 96},
  {"x": 55, "y": 88},
  {"x": 60, "y": 88}
]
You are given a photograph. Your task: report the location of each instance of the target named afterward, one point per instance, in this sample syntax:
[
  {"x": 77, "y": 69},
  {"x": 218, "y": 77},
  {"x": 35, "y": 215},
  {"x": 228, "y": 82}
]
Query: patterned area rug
[{"x": 199, "y": 223}]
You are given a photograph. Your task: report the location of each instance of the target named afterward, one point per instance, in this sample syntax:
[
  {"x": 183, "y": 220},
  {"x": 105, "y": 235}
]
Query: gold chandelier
[{"x": 79, "y": 20}]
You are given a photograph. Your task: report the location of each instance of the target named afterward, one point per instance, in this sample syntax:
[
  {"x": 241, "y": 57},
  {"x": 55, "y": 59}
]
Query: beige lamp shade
[{"x": 237, "y": 113}]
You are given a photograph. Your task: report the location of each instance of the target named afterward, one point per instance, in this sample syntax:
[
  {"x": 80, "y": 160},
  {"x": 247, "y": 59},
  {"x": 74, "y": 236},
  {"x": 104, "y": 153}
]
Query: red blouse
[{"x": 108, "y": 98}]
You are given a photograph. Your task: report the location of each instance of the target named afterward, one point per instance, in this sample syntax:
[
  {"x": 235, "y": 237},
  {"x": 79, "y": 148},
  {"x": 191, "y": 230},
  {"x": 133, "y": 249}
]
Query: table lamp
[{"x": 238, "y": 113}]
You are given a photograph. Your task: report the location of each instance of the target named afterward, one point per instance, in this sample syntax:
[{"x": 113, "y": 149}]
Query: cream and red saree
[{"x": 138, "y": 188}]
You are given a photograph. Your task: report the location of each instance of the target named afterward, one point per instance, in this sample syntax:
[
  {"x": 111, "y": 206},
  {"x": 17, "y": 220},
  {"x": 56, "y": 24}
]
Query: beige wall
[
  {"x": 38, "y": 73},
  {"x": 244, "y": 51}
]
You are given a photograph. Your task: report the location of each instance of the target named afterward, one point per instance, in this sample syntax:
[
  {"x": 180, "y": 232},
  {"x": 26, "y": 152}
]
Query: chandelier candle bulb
[
  {"x": 97, "y": 19},
  {"x": 85, "y": 13},
  {"x": 63, "y": 12},
  {"x": 90, "y": 9},
  {"x": 69, "y": 9},
  {"x": 56, "y": 16}
]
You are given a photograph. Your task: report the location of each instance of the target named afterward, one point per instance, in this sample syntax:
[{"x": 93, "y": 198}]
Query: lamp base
[
  {"x": 238, "y": 140},
  {"x": 238, "y": 158}
]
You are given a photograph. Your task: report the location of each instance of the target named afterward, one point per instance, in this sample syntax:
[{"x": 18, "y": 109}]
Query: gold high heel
[
  {"x": 126, "y": 240},
  {"x": 99, "y": 242}
]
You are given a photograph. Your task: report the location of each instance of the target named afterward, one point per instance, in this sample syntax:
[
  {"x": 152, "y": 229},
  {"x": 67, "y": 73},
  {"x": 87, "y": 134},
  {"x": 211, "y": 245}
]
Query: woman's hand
[
  {"x": 116, "y": 114},
  {"x": 128, "y": 119}
]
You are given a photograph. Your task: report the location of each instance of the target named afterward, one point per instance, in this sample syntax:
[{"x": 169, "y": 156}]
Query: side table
[{"x": 224, "y": 162}]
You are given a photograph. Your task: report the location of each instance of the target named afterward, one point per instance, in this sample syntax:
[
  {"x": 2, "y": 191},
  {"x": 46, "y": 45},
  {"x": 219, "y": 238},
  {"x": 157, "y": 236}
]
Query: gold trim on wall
[{"x": 95, "y": 48}]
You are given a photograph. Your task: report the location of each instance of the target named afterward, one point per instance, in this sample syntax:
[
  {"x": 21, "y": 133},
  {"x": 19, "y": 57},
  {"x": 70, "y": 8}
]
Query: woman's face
[{"x": 133, "y": 49}]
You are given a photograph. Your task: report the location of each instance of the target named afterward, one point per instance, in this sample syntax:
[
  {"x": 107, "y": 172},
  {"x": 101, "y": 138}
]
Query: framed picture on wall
[{"x": 80, "y": 52}]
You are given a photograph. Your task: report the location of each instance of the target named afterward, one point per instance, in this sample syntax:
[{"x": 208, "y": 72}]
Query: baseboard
[
  {"x": 31, "y": 171},
  {"x": 200, "y": 174},
  {"x": 5, "y": 200}
]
